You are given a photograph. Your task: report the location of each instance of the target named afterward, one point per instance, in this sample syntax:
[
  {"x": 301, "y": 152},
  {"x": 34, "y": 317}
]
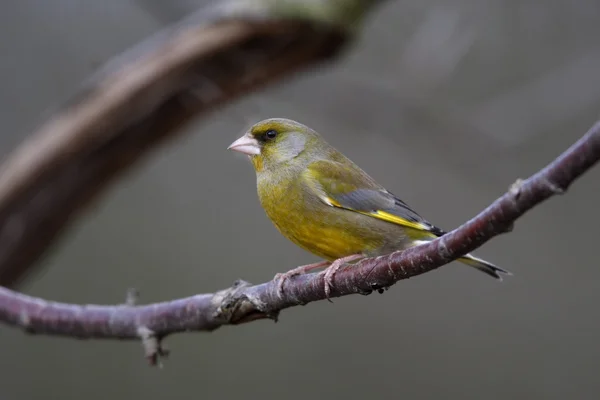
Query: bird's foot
[
  {"x": 329, "y": 273},
  {"x": 281, "y": 278}
]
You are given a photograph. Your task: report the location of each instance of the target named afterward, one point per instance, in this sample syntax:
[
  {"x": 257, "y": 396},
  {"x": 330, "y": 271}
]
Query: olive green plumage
[{"x": 326, "y": 204}]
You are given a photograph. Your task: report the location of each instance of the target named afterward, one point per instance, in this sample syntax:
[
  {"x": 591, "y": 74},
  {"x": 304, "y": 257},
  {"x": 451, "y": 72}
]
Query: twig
[
  {"x": 243, "y": 302},
  {"x": 146, "y": 96}
]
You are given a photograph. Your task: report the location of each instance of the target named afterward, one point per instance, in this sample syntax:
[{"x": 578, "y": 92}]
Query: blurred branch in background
[
  {"x": 243, "y": 303},
  {"x": 147, "y": 95}
]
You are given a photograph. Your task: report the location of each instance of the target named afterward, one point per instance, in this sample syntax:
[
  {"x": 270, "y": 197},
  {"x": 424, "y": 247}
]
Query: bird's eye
[{"x": 271, "y": 134}]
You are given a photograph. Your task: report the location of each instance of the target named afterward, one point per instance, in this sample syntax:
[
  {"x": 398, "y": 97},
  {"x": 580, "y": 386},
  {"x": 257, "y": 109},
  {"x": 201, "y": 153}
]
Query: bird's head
[{"x": 272, "y": 142}]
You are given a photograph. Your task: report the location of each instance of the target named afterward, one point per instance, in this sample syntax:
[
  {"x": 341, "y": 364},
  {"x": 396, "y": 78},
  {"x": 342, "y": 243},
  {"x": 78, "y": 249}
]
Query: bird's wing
[{"x": 348, "y": 187}]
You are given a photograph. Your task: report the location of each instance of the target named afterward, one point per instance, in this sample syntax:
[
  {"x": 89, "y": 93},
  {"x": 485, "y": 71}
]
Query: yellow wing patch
[
  {"x": 398, "y": 220},
  {"x": 382, "y": 215},
  {"x": 331, "y": 202}
]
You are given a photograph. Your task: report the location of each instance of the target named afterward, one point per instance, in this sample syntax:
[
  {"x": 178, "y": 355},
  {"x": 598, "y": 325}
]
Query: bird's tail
[
  {"x": 478, "y": 263},
  {"x": 484, "y": 266}
]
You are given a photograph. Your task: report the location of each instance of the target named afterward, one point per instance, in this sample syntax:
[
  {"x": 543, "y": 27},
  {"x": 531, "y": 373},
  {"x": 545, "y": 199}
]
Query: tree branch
[
  {"x": 146, "y": 96},
  {"x": 243, "y": 302}
]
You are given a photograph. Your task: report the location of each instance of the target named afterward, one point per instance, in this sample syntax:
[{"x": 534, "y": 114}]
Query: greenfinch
[{"x": 327, "y": 205}]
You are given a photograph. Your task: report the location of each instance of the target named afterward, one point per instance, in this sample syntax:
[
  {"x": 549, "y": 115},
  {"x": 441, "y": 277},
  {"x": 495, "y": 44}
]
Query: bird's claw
[
  {"x": 328, "y": 275},
  {"x": 281, "y": 278},
  {"x": 330, "y": 272}
]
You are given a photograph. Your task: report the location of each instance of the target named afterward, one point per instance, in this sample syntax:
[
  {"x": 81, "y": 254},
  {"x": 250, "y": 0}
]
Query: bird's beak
[{"x": 246, "y": 145}]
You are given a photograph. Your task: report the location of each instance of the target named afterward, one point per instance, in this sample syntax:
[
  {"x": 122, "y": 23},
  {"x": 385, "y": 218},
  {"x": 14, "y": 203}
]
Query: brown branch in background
[
  {"x": 243, "y": 302},
  {"x": 146, "y": 96}
]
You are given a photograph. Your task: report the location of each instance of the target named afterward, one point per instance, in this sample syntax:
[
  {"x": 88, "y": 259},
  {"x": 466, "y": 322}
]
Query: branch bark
[
  {"x": 146, "y": 96},
  {"x": 244, "y": 302}
]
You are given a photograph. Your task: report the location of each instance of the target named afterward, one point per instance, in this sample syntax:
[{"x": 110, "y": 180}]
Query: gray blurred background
[{"x": 445, "y": 103}]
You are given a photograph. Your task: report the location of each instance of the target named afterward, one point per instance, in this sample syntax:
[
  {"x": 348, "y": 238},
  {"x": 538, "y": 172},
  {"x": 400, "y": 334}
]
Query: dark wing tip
[{"x": 436, "y": 231}]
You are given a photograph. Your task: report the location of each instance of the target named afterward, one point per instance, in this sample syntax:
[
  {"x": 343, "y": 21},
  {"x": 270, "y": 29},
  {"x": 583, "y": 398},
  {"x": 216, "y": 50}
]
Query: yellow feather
[
  {"x": 398, "y": 220},
  {"x": 420, "y": 230}
]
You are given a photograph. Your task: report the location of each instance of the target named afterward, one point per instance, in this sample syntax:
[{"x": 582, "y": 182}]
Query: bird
[{"x": 324, "y": 203}]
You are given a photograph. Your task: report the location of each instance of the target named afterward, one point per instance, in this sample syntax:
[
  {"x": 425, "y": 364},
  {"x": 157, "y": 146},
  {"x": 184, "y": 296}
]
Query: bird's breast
[{"x": 325, "y": 231}]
